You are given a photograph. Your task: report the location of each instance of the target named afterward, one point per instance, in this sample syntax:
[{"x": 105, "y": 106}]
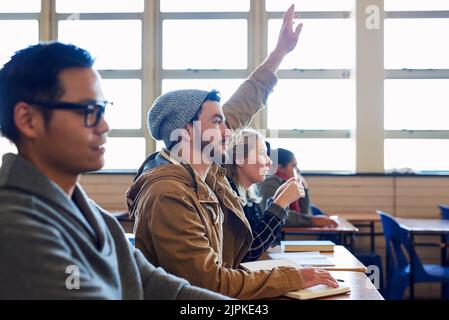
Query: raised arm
[{"x": 252, "y": 94}]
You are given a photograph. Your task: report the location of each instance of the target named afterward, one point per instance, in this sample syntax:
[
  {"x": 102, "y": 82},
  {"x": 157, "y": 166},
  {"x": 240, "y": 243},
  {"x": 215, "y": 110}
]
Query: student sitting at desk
[
  {"x": 249, "y": 164},
  {"x": 56, "y": 243},
  {"x": 299, "y": 211},
  {"x": 188, "y": 220}
]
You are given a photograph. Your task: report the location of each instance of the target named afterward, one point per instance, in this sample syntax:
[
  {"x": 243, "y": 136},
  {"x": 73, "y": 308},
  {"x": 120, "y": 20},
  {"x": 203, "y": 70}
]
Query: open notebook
[{"x": 314, "y": 292}]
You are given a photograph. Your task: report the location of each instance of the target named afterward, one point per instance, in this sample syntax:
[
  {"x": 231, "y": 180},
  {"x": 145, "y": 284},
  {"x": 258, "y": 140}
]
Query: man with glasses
[{"x": 55, "y": 243}]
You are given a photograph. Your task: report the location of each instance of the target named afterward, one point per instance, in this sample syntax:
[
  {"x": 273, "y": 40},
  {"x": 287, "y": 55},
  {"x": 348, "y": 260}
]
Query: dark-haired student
[
  {"x": 299, "y": 214},
  {"x": 55, "y": 243}
]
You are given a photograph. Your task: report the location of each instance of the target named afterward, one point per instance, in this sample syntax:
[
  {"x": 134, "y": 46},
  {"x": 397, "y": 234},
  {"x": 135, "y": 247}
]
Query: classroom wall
[{"x": 400, "y": 196}]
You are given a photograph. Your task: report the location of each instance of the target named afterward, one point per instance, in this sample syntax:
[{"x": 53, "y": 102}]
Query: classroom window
[
  {"x": 307, "y": 5},
  {"x": 416, "y": 104},
  {"x": 201, "y": 45},
  {"x": 9, "y": 6},
  {"x": 124, "y": 153},
  {"x": 116, "y": 44},
  {"x": 320, "y": 154},
  {"x": 300, "y": 104},
  {"x": 417, "y": 155},
  {"x": 204, "y": 5},
  {"x": 334, "y": 39},
  {"x": 416, "y": 43},
  {"x": 416, "y": 5},
  {"x": 89, "y": 6},
  {"x": 226, "y": 86},
  {"x": 126, "y": 94}
]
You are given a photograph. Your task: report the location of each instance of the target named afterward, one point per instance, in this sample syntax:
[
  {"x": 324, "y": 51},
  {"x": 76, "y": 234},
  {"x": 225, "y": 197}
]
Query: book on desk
[
  {"x": 314, "y": 292},
  {"x": 300, "y": 245}
]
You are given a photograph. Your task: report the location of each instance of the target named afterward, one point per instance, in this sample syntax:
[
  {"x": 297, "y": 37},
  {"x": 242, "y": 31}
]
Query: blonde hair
[{"x": 241, "y": 146}]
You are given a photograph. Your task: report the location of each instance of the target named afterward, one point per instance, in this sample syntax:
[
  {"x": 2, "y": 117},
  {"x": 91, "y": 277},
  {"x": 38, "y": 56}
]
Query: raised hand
[{"x": 288, "y": 36}]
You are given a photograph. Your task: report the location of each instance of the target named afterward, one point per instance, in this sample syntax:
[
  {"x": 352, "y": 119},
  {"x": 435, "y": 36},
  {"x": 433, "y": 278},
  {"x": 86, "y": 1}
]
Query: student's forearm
[{"x": 273, "y": 61}]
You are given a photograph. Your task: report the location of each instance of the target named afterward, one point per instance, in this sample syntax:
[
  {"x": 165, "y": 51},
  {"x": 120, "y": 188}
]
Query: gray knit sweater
[{"x": 54, "y": 247}]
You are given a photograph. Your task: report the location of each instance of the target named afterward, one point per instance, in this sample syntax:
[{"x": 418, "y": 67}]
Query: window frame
[{"x": 369, "y": 72}]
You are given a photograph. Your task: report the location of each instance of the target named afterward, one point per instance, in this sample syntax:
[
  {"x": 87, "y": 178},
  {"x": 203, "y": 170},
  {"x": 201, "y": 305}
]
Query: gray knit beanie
[{"x": 174, "y": 110}]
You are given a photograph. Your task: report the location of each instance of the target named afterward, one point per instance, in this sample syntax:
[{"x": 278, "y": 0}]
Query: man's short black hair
[{"x": 33, "y": 74}]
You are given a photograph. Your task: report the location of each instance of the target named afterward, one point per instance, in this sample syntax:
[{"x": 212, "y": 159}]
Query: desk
[
  {"x": 364, "y": 219},
  {"x": 425, "y": 227},
  {"x": 349, "y": 269},
  {"x": 342, "y": 259},
  {"x": 344, "y": 229}
]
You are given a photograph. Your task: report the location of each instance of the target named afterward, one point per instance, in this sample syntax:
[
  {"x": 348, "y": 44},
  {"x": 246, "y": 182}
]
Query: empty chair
[
  {"x": 316, "y": 211},
  {"x": 399, "y": 253},
  {"x": 131, "y": 238},
  {"x": 444, "y": 210}
]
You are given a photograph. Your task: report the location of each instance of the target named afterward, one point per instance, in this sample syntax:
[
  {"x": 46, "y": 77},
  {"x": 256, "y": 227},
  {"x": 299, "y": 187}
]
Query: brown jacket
[{"x": 203, "y": 236}]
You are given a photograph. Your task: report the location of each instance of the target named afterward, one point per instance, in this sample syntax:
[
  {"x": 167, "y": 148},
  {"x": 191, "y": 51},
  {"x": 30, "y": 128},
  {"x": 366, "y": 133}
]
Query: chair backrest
[
  {"x": 131, "y": 238},
  {"x": 315, "y": 210},
  {"x": 444, "y": 210},
  {"x": 397, "y": 239}
]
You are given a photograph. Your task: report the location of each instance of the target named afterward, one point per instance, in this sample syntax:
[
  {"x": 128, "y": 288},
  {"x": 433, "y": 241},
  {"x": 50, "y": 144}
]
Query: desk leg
[
  {"x": 372, "y": 229},
  {"x": 412, "y": 270}
]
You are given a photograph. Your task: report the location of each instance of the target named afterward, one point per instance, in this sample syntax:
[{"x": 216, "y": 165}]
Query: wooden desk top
[
  {"x": 437, "y": 226},
  {"x": 342, "y": 259},
  {"x": 361, "y": 287},
  {"x": 344, "y": 226},
  {"x": 360, "y": 217}
]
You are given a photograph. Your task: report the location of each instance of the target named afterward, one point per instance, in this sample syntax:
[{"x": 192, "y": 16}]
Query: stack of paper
[{"x": 305, "y": 259}]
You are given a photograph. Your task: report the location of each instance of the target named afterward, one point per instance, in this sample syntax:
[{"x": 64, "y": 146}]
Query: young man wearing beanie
[
  {"x": 187, "y": 218},
  {"x": 55, "y": 243}
]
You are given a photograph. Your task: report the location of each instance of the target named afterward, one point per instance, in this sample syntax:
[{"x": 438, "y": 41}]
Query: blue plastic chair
[
  {"x": 131, "y": 238},
  {"x": 316, "y": 211},
  {"x": 399, "y": 265},
  {"x": 444, "y": 210}
]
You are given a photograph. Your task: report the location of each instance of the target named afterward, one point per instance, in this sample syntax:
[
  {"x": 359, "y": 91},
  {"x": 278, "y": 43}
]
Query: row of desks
[
  {"x": 349, "y": 269},
  {"x": 347, "y": 266}
]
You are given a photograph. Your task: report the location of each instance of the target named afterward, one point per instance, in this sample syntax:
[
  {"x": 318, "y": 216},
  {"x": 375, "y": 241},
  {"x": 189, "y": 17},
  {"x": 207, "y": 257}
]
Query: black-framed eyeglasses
[{"x": 93, "y": 110}]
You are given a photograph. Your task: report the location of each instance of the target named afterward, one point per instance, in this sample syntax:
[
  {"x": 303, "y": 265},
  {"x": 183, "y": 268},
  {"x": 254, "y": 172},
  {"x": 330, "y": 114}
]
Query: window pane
[
  {"x": 116, "y": 44},
  {"x": 80, "y": 6},
  {"x": 26, "y": 32},
  {"x": 417, "y": 104},
  {"x": 8, "y": 6},
  {"x": 416, "y": 43},
  {"x": 419, "y": 154},
  {"x": 6, "y": 147},
  {"x": 126, "y": 94},
  {"x": 226, "y": 86},
  {"x": 124, "y": 153},
  {"x": 416, "y": 5},
  {"x": 324, "y": 44},
  {"x": 194, "y": 44},
  {"x": 312, "y": 104},
  {"x": 320, "y": 154},
  {"x": 204, "y": 5},
  {"x": 310, "y": 5}
]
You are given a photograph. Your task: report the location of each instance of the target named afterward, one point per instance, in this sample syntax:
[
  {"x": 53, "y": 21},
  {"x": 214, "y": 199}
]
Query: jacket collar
[{"x": 17, "y": 173}]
